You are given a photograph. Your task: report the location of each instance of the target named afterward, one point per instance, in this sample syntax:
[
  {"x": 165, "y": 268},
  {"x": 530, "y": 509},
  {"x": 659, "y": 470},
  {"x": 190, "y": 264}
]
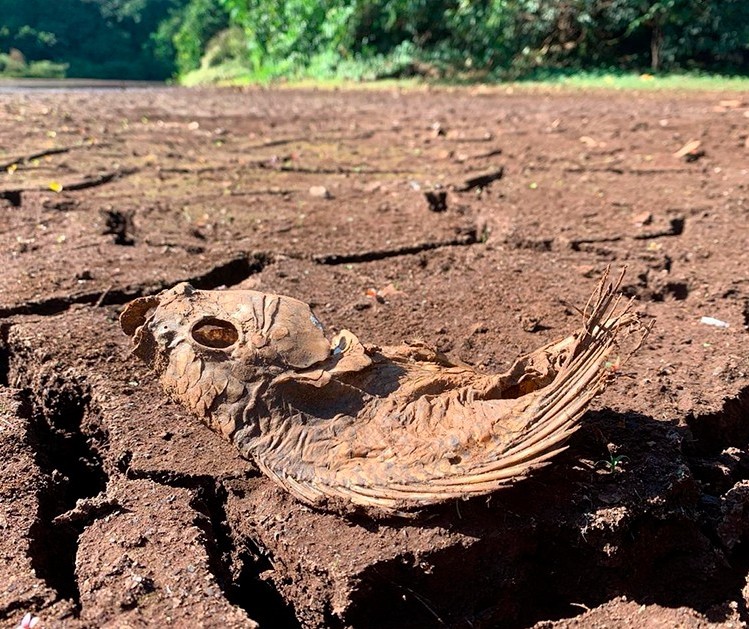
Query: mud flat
[{"x": 119, "y": 509}]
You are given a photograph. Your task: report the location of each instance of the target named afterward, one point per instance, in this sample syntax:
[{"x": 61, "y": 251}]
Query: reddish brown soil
[{"x": 118, "y": 509}]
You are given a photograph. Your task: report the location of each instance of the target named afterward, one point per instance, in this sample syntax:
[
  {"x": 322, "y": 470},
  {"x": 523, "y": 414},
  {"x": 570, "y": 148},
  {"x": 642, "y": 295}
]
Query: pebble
[{"x": 321, "y": 192}]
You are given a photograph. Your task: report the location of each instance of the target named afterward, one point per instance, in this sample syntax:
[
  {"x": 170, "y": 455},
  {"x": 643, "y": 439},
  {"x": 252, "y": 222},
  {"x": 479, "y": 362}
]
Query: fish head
[{"x": 270, "y": 332}]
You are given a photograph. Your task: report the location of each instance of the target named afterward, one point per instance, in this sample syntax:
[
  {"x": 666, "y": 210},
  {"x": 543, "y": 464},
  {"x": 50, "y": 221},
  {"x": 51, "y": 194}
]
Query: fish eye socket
[{"x": 215, "y": 333}]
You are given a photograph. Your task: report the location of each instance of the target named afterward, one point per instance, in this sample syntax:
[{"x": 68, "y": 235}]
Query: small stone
[
  {"x": 321, "y": 192},
  {"x": 732, "y": 103},
  {"x": 643, "y": 218},
  {"x": 685, "y": 403},
  {"x": 531, "y": 323},
  {"x": 388, "y": 291}
]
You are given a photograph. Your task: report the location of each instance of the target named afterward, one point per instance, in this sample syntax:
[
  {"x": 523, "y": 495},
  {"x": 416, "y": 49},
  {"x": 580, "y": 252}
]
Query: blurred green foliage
[
  {"x": 126, "y": 39},
  {"x": 492, "y": 38},
  {"x": 14, "y": 64},
  {"x": 96, "y": 38},
  {"x": 362, "y": 39}
]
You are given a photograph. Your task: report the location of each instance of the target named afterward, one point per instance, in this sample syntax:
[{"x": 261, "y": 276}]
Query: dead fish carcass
[{"x": 342, "y": 424}]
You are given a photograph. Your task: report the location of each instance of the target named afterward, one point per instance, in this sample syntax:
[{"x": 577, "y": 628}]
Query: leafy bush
[
  {"x": 226, "y": 46},
  {"x": 490, "y": 37},
  {"x": 13, "y": 66},
  {"x": 200, "y": 21},
  {"x": 156, "y": 39},
  {"x": 97, "y": 38}
]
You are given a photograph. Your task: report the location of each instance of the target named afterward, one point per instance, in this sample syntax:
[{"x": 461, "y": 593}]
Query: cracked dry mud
[{"x": 118, "y": 508}]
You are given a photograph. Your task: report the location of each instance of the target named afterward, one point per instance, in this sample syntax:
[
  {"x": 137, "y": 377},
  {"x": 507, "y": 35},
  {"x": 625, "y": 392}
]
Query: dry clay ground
[{"x": 118, "y": 509}]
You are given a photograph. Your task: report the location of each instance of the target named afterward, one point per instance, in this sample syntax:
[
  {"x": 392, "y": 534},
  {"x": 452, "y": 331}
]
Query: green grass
[
  {"x": 633, "y": 81},
  {"x": 235, "y": 73}
]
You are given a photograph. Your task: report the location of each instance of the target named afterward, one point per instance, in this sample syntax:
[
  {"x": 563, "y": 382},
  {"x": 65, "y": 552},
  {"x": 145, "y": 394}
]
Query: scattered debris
[
  {"x": 389, "y": 291},
  {"x": 690, "y": 152},
  {"x": 29, "y": 621},
  {"x": 381, "y": 294},
  {"x": 485, "y": 154},
  {"x": 714, "y": 322}
]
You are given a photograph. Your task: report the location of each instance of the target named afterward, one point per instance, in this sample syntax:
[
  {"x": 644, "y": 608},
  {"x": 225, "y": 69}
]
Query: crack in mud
[
  {"x": 332, "y": 259},
  {"x": 718, "y": 458},
  {"x": 337, "y": 170},
  {"x": 236, "y": 562},
  {"x": 728, "y": 427},
  {"x": 69, "y": 459},
  {"x": 38, "y": 155},
  {"x": 100, "y": 180},
  {"x": 675, "y": 228},
  {"x": 70, "y": 446},
  {"x": 24, "y": 159},
  {"x": 15, "y": 198},
  {"x": 4, "y": 353},
  {"x": 12, "y": 196},
  {"x": 227, "y": 273}
]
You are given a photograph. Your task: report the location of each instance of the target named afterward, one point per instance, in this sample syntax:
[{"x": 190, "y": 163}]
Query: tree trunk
[{"x": 656, "y": 46}]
